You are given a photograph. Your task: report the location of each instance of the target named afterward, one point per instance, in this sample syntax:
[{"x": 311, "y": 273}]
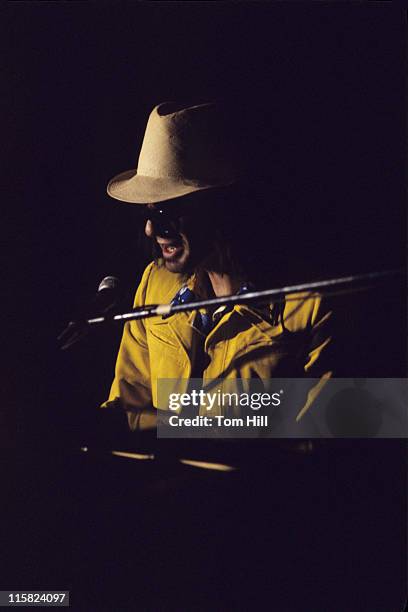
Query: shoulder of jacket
[{"x": 302, "y": 309}]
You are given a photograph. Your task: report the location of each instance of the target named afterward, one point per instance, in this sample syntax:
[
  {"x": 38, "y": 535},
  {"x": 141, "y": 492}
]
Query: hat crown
[
  {"x": 186, "y": 144},
  {"x": 184, "y": 150}
]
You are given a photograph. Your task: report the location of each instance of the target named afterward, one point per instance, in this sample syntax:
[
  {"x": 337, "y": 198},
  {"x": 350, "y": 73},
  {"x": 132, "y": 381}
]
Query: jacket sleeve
[
  {"x": 131, "y": 388},
  {"x": 319, "y": 351},
  {"x": 319, "y": 360}
]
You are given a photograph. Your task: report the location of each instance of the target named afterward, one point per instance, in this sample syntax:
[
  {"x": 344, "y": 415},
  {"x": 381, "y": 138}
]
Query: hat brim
[{"x": 138, "y": 189}]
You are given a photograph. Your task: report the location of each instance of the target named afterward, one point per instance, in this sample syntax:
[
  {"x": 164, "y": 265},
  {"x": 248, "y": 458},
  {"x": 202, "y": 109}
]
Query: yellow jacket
[{"x": 241, "y": 345}]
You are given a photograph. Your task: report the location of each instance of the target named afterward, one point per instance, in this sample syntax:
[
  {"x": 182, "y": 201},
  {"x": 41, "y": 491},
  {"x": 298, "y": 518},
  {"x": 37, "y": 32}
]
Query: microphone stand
[{"x": 353, "y": 282}]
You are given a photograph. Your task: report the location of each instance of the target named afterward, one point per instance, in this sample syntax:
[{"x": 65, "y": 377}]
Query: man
[{"x": 210, "y": 241}]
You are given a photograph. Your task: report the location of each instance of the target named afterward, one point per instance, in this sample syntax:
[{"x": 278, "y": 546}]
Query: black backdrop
[{"x": 319, "y": 90}]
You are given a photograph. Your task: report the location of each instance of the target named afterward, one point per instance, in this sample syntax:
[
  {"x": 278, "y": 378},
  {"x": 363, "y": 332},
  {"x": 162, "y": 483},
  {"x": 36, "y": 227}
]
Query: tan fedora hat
[{"x": 184, "y": 150}]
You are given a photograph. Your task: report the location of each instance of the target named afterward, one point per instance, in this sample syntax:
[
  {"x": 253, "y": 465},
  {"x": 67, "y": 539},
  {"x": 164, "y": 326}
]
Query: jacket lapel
[
  {"x": 240, "y": 332},
  {"x": 181, "y": 325}
]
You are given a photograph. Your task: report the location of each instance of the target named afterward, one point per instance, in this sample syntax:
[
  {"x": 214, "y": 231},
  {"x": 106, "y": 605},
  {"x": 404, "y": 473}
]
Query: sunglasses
[{"x": 166, "y": 217}]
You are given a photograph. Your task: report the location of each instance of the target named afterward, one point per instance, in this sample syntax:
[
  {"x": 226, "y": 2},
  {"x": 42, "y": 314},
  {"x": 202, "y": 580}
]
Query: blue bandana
[{"x": 204, "y": 322}]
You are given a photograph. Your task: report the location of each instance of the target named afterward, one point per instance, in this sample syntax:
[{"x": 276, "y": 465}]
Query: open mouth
[{"x": 171, "y": 249}]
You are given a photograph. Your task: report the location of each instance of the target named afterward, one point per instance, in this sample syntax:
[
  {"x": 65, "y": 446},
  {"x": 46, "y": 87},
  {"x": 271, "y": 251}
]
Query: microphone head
[
  {"x": 109, "y": 282},
  {"x": 107, "y": 296}
]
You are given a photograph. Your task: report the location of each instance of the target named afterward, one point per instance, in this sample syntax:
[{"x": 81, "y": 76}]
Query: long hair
[{"x": 242, "y": 232}]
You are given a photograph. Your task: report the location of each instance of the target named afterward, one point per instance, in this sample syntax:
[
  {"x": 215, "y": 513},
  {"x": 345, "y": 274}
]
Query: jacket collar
[{"x": 241, "y": 319}]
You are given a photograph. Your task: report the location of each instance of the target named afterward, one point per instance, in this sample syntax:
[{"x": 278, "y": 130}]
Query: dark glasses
[{"x": 165, "y": 217}]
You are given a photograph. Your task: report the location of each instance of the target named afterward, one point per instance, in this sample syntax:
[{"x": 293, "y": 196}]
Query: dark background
[{"x": 319, "y": 91}]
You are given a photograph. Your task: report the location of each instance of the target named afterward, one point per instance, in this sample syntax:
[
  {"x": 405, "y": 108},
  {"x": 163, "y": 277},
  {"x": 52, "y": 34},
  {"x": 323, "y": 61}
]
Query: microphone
[
  {"x": 105, "y": 299},
  {"x": 107, "y": 295}
]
